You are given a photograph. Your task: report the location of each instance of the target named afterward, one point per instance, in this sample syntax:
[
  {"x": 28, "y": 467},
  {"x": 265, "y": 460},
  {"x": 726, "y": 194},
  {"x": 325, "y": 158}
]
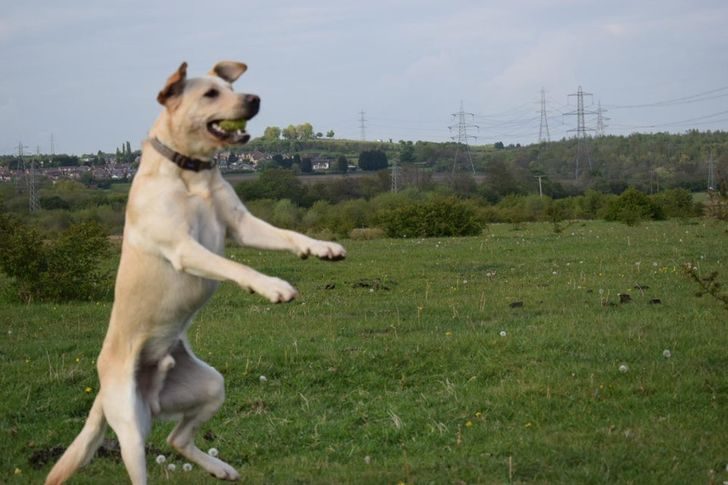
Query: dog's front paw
[
  {"x": 275, "y": 289},
  {"x": 324, "y": 250}
]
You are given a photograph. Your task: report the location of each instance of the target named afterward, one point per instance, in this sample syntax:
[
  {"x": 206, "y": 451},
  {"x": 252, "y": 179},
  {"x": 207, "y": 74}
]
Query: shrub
[
  {"x": 632, "y": 207},
  {"x": 65, "y": 268},
  {"x": 676, "y": 203},
  {"x": 438, "y": 217},
  {"x": 285, "y": 214}
]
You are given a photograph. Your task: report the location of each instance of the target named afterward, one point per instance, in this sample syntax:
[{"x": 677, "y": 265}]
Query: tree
[
  {"x": 342, "y": 164},
  {"x": 406, "y": 152},
  {"x": 290, "y": 133},
  {"x": 373, "y": 160},
  {"x": 330, "y": 134},
  {"x": 304, "y": 131},
  {"x": 272, "y": 133}
]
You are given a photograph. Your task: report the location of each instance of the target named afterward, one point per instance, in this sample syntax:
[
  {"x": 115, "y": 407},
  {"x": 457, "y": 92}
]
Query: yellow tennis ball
[{"x": 233, "y": 125}]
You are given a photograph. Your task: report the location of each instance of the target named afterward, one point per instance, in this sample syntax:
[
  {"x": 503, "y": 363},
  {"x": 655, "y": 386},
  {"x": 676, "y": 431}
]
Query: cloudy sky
[{"x": 86, "y": 73}]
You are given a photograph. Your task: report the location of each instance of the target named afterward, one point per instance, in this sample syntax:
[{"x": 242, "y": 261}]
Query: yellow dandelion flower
[
  {"x": 88, "y": 390},
  {"x": 18, "y": 471},
  {"x": 468, "y": 424}
]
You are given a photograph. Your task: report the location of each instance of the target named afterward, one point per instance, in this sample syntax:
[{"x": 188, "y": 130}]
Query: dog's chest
[{"x": 205, "y": 223}]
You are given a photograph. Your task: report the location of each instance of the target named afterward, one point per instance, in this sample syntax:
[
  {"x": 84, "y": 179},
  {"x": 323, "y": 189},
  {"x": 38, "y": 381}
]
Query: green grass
[{"x": 391, "y": 367}]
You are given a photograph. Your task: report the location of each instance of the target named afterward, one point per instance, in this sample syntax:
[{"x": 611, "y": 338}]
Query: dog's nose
[{"x": 252, "y": 102}]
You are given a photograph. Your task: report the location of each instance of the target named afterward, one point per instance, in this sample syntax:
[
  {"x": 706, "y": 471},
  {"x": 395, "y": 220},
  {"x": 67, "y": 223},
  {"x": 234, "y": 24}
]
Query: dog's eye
[{"x": 212, "y": 93}]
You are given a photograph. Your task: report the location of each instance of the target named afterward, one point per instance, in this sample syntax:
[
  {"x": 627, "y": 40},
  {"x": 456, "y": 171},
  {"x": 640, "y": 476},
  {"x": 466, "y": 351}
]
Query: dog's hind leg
[
  {"x": 196, "y": 391},
  {"x": 83, "y": 447},
  {"x": 130, "y": 418}
]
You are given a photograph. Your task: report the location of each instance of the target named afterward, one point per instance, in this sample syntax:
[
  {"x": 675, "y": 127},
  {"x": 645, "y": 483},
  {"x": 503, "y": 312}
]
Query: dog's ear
[
  {"x": 228, "y": 70},
  {"x": 174, "y": 85}
]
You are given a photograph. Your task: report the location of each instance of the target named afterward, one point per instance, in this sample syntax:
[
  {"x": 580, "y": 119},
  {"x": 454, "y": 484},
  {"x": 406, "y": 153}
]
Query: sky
[{"x": 85, "y": 73}]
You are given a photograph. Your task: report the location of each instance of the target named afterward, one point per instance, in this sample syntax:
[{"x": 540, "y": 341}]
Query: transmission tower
[
  {"x": 601, "y": 119},
  {"x": 462, "y": 149},
  {"x": 711, "y": 172},
  {"x": 362, "y": 126},
  {"x": 583, "y": 150},
  {"x": 30, "y": 183},
  {"x": 395, "y": 176},
  {"x": 544, "y": 128}
]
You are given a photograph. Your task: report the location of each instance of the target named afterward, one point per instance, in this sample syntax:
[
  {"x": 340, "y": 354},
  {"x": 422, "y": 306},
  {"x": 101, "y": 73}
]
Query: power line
[{"x": 693, "y": 98}]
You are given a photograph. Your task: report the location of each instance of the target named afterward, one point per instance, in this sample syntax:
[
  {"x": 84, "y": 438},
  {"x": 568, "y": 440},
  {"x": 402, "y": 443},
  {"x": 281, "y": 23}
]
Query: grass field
[{"x": 493, "y": 359}]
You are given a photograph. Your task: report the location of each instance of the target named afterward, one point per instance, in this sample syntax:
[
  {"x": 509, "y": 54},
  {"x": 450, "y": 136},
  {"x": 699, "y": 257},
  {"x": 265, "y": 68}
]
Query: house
[{"x": 254, "y": 157}]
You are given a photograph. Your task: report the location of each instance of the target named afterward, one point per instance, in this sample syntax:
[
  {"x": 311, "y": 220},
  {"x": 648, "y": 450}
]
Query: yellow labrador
[{"x": 179, "y": 211}]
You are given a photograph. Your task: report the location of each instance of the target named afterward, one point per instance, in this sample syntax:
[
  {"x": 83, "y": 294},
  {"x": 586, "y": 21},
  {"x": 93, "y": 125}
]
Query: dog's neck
[{"x": 182, "y": 161}]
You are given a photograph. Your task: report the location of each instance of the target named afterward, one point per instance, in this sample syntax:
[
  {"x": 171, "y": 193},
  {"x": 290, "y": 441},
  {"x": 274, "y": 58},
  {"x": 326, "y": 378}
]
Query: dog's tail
[{"x": 83, "y": 447}]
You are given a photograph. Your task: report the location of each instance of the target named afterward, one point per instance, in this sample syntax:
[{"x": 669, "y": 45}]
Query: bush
[
  {"x": 632, "y": 207},
  {"x": 676, "y": 203},
  {"x": 439, "y": 217},
  {"x": 65, "y": 268}
]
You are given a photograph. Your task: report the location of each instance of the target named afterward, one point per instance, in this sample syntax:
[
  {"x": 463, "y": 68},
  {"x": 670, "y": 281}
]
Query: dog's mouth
[{"x": 229, "y": 131}]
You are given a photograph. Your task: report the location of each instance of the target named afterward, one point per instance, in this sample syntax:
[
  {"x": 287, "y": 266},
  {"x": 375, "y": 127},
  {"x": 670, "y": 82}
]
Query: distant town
[{"x": 111, "y": 168}]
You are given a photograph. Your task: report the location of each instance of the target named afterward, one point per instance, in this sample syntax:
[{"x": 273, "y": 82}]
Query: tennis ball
[{"x": 233, "y": 125}]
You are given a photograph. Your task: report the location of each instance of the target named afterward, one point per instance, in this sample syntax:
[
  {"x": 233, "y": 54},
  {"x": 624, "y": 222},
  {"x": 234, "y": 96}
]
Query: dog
[{"x": 179, "y": 211}]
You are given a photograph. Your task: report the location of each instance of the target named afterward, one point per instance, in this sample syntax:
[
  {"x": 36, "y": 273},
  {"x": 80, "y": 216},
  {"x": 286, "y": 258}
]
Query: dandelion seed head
[
  {"x": 263, "y": 378},
  {"x": 623, "y": 368},
  {"x": 667, "y": 354},
  {"x": 213, "y": 452},
  {"x": 172, "y": 467},
  {"x": 503, "y": 333},
  {"x": 187, "y": 467},
  {"x": 160, "y": 459}
]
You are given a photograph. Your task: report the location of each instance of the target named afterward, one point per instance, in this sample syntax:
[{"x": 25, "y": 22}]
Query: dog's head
[{"x": 205, "y": 113}]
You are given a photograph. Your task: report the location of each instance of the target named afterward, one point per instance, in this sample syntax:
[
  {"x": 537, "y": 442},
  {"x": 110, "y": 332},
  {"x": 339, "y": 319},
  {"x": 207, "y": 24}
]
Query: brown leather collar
[{"x": 182, "y": 161}]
